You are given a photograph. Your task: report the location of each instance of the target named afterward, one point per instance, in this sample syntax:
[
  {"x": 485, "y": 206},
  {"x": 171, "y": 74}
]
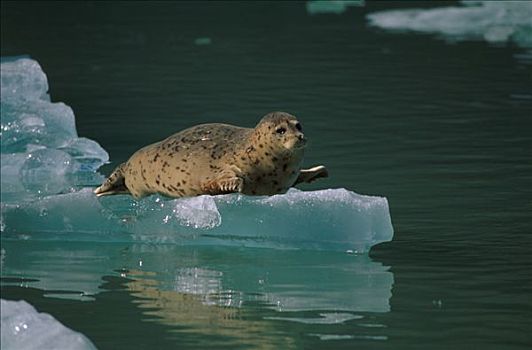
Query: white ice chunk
[
  {"x": 35, "y": 122},
  {"x": 45, "y": 170},
  {"x": 23, "y": 77},
  {"x": 492, "y": 21},
  {"x": 198, "y": 212},
  {"x": 328, "y": 219},
  {"x": 41, "y": 151},
  {"x": 42, "y": 172},
  {"x": 25, "y": 328},
  {"x": 88, "y": 153}
]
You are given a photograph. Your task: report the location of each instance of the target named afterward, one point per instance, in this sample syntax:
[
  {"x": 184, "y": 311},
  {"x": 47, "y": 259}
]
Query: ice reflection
[
  {"x": 181, "y": 284},
  {"x": 62, "y": 270}
]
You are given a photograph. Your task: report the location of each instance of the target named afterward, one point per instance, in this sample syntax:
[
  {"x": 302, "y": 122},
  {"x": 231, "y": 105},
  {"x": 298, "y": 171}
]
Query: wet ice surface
[
  {"x": 492, "y": 21},
  {"x": 328, "y": 219},
  {"x": 23, "y": 327},
  {"x": 46, "y": 169}
]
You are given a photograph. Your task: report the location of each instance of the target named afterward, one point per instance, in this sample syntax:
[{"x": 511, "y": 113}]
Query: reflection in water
[
  {"x": 228, "y": 289},
  {"x": 63, "y": 270},
  {"x": 196, "y": 314}
]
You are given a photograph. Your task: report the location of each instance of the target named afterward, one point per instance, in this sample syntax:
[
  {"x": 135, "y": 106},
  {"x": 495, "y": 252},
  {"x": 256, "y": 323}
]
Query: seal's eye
[
  {"x": 280, "y": 130},
  {"x": 298, "y": 127}
]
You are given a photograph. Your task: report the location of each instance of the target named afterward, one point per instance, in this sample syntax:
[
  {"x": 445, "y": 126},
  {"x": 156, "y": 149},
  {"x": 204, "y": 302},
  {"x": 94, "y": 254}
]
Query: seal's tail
[{"x": 115, "y": 183}]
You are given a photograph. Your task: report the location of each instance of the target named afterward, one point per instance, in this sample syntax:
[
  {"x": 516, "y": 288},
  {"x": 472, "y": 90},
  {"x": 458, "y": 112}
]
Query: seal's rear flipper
[
  {"x": 115, "y": 184},
  {"x": 312, "y": 174}
]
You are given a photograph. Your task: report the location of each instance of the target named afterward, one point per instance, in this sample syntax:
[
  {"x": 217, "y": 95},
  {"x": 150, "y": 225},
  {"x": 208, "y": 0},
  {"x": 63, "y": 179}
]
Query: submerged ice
[
  {"x": 22, "y": 327},
  {"x": 45, "y": 167},
  {"x": 492, "y": 21}
]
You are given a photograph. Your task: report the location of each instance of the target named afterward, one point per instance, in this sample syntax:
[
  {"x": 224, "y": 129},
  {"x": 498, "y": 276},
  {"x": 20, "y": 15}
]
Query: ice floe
[
  {"x": 41, "y": 151},
  {"x": 23, "y": 327},
  {"x": 492, "y": 21},
  {"x": 331, "y": 6},
  {"x": 329, "y": 219}
]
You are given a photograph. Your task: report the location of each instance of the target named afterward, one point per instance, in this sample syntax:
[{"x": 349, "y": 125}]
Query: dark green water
[{"x": 442, "y": 130}]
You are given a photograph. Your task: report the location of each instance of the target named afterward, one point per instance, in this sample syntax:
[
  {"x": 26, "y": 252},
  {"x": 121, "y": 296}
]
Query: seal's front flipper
[
  {"x": 312, "y": 174},
  {"x": 115, "y": 184},
  {"x": 227, "y": 182}
]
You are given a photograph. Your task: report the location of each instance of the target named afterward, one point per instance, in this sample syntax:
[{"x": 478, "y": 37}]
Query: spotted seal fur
[{"x": 217, "y": 159}]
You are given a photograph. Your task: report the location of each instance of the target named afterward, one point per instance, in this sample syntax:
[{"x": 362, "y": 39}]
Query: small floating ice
[
  {"x": 22, "y": 327},
  {"x": 492, "y": 21},
  {"x": 331, "y": 6}
]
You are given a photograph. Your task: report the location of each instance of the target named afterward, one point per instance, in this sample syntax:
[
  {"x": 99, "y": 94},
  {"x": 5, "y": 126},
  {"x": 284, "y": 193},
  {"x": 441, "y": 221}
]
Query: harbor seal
[{"x": 218, "y": 159}]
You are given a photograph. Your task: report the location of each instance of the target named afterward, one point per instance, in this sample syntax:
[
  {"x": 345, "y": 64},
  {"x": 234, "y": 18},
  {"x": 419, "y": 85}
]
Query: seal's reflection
[{"x": 282, "y": 281}]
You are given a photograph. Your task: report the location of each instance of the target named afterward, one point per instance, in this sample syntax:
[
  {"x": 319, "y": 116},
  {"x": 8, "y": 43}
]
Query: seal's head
[{"x": 281, "y": 131}]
